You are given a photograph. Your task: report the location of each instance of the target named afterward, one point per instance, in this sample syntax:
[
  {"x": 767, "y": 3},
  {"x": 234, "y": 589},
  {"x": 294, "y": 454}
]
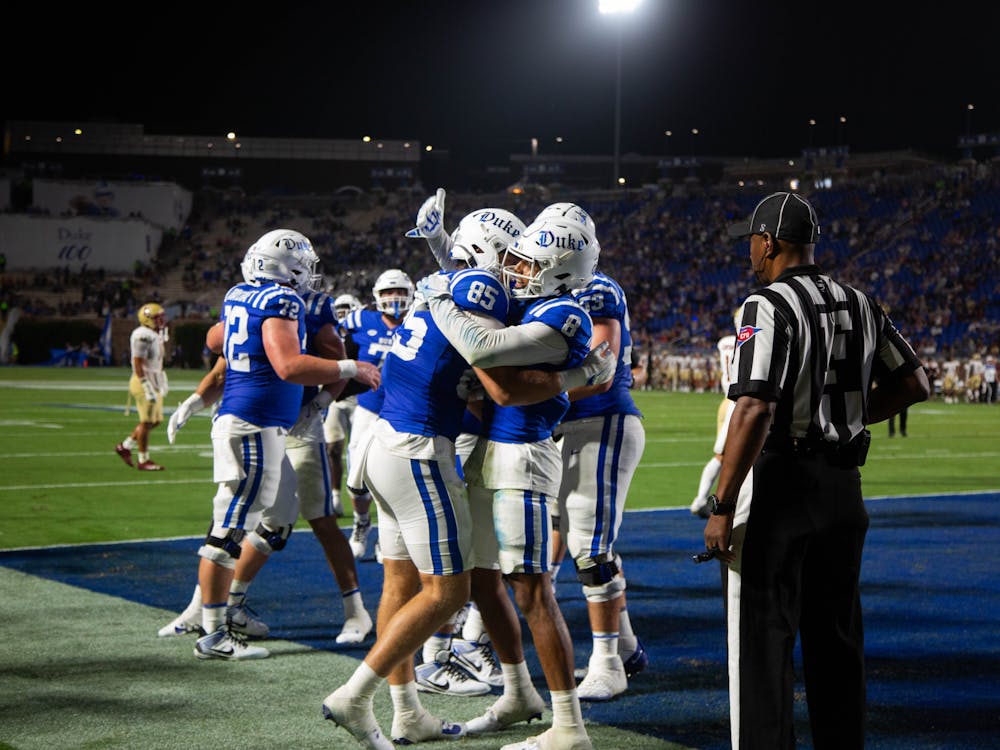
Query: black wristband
[{"x": 720, "y": 509}]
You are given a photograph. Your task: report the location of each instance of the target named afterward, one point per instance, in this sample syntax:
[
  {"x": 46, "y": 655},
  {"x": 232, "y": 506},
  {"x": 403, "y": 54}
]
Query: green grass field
[
  {"x": 62, "y": 482},
  {"x": 80, "y": 669}
]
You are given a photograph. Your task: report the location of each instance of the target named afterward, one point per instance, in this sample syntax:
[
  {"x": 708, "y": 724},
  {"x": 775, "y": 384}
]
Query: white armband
[{"x": 348, "y": 368}]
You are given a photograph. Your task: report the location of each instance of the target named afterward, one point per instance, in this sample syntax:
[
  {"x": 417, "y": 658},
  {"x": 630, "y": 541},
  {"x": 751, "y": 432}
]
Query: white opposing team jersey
[
  {"x": 727, "y": 348},
  {"x": 147, "y": 344}
]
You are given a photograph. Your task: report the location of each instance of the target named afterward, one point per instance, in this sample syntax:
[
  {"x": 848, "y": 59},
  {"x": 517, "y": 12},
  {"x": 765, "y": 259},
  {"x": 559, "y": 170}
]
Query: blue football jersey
[
  {"x": 529, "y": 424},
  {"x": 319, "y": 312},
  {"x": 604, "y": 298},
  {"x": 253, "y": 391},
  {"x": 374, "y": 338},
  {"x": 422, "y": 370}
]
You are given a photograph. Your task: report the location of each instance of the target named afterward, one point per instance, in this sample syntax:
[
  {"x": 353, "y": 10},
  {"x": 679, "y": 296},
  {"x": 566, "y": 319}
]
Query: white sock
[
  {"x": 353, "y": 605},
  {"x": 605, "y": 644},
  {"x": 473, "y": 627},
  {"x": 708, "y": 476},
  {"x": 130, "y": 443},
  {"x": 364, "y": 682},
  {"x": 238, "y": 592},
  {"x": 213, "y": 616},
  {"x": 515, "y": 678},
  {"x": 627, "y": 642},
  {"x": 566, "y": 709},
  {"x": 195, "y": 604},
  {"x": 405, "y": 699},
  {"x": 361, "y": 519},
  {"x": 437, "y": 642},
  {"x": 143, "y": 456}
]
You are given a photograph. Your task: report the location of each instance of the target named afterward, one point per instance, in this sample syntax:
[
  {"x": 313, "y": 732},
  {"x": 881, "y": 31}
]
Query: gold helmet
[{"x": 148, "y": 315}]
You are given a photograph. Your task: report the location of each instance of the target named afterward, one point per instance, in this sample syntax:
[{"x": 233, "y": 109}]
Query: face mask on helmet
[
  {"x": 482, "y": 236},
  {"x": 152, "y": 315},
  {"x": 393, "y": 292},
  {"x": 344, "y": 304},
  {"x": 550, "y": 259},
  {"x": 284, "y": 256}
]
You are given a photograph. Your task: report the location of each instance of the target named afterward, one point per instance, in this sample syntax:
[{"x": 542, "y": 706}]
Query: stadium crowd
[{"x": 924, "y": 242}]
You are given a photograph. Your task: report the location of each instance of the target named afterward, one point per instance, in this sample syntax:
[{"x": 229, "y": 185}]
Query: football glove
[
  {"x": 309, "y": 414},
  {"x": 433, "y": 286},
  {"x": 597, "y": 367},
  {"x": 469, "y": 388},
  {"x": 147, "y": 390},
  {"x": 182, "y": 413},
  {"x": 430, "y": 218}
]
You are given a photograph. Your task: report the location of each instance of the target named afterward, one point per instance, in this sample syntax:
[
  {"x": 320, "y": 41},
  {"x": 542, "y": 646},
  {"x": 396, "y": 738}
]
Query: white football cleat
[
  {"x": 359, "y": 539},
  {"x": 356, "y": 716},
  {"x": 506, "y": 711},
  {"x": 443, "y": 675},
  {"x": 355, "y": 629},
  {"x": 188, "y": 621},
  {"x": 225, "y": 644},
  {"x": 425, "y": 728},
  {"x": 605, "y": 679},
  {"x": 556, "y": 738},
  {"x": 476, "y": 658},
  {"x": 241, "y": 619}
]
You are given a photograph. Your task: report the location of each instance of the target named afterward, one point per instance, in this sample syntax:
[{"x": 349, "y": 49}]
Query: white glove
[
  {"x": 469, "y": 388},
  {"x": 433, "y": 286},
  {"x": 164, "y": 386},
  {"x": 598, "y": 367},
  {"x": 309, "y": 413},
  {"x": 430, "y": 218},
  {"x": 147, "y": 390},
  {"x": 182, "y": 413}
]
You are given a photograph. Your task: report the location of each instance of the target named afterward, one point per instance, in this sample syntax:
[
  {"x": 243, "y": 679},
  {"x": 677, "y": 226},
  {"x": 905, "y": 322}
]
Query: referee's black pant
[{"x": 798, "y": 573}]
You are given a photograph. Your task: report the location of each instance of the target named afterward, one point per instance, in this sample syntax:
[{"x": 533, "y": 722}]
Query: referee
[{"x": 816, "y": 362}]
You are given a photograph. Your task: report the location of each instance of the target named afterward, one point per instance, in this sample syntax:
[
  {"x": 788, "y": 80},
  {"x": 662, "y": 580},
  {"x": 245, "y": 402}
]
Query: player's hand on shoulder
[
  {"x": 430, "y": 217},
  {"x": 434, "y": 286},
  {"x": 369, "y": 374}
]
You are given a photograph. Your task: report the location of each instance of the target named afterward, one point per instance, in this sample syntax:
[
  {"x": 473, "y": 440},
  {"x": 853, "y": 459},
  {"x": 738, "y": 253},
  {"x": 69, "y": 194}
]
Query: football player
[
  {"x": 601, "y": 438},
  {"x": 261, "y": 334},
  {"x": 337, "y": 422},
  {"x": 514, "y": 475},
  {"x": 304, "y": 490},
  {"x": 369, "y": 333},
  {"x": 147, "y": 385}
]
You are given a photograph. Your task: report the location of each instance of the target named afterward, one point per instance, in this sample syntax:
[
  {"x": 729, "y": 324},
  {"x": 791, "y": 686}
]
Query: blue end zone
[{"x": 931, "y": 597}]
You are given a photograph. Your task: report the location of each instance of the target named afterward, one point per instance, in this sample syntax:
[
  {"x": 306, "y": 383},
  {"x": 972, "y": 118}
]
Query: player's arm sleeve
[
  {"x": 441, "y": 250},
  {"x": 484, "y": 342}
]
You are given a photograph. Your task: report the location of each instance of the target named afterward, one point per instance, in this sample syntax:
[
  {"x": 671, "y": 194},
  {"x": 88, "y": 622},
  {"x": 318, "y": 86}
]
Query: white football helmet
[
  {"x": 482, "y": 236},
  {"x": 285, "y": 256},
  {"x": 562, "y": 256},
  {"x": 393, "y": 292},
  {"x": 344, "y": 304},
  {"x": 568, "y": 212}
]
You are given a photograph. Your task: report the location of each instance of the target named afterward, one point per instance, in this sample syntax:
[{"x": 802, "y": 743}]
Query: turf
[{"x": 62, "y": 482}]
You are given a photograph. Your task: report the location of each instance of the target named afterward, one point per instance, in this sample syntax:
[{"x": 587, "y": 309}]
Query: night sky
[{"x": 481, "y": 78}]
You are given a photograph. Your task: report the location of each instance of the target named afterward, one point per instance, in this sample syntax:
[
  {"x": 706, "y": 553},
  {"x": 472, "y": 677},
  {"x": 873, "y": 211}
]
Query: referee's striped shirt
[{"x": 814, "y": 346}]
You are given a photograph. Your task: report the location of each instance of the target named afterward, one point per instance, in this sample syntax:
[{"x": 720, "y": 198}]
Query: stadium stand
[{"x": 925, "y": 243}]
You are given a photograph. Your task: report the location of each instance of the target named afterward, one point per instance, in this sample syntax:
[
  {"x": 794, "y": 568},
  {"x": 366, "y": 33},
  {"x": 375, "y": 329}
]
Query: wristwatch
[{"x": 720, "y": 509}]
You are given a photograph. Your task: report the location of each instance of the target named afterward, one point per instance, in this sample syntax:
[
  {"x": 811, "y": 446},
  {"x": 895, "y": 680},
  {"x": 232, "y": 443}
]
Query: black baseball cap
[{"x": 786, "y": 216}]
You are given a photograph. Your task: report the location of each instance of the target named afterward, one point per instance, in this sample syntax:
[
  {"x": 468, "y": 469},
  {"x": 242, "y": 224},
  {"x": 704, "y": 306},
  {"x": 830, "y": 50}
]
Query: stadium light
[{"x": 617, "y": 8}]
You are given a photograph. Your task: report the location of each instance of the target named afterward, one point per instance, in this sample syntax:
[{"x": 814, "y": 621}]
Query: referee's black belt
[{"x": 845, "y": 456}]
